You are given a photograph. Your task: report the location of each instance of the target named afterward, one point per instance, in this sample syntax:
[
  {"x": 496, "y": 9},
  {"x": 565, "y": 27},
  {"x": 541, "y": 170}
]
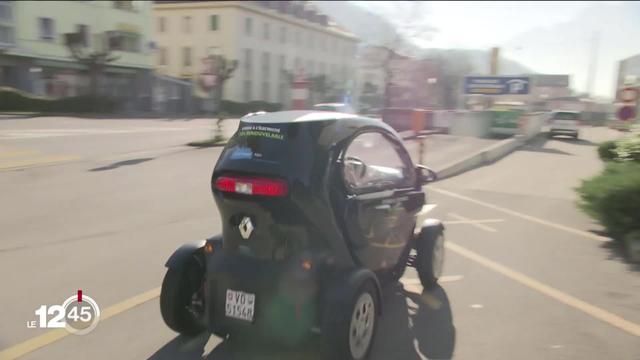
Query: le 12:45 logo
[{"x": 79, "y": 314}]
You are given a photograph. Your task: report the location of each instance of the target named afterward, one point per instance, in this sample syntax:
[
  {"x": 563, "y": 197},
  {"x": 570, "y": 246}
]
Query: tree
[
  {"x": 94, "y": 60},
  {"x": 320, "y": 87},
  {"x": 408, "y": 29},
  {"x": 369, "y": 99},
  {"x": 218, "y": 69}
]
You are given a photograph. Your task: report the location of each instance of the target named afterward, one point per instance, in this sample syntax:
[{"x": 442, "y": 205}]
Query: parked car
[
  {"x": 335, "y": 107},
  {"x": 565, "y": 123},
  {"x": 320, "y": 211}
]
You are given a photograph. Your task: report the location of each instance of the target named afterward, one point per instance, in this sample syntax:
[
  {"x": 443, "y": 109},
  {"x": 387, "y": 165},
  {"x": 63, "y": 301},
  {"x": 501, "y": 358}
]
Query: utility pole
[
  {"x": 494, "y": 62},
  {"x": 593, "y": 63}
]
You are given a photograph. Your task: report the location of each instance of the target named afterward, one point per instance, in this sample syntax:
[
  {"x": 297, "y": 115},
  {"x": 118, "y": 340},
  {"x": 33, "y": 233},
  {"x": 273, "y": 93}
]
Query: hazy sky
[{"x": 548, "y": 37}]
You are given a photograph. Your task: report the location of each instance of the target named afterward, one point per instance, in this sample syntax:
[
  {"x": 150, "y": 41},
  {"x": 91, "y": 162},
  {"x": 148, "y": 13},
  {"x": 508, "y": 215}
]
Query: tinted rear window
[{"x": 566, "y": 116}]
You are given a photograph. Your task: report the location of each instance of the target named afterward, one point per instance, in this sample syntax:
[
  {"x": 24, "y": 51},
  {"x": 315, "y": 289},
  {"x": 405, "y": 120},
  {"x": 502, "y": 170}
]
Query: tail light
[{"x": 252, "y": 186}]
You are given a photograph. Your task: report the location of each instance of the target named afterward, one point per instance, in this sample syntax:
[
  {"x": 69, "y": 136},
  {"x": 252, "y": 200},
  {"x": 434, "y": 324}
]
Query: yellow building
[
  {"x": 34, "y": 57},
  {"x": 265, "y": 37}
]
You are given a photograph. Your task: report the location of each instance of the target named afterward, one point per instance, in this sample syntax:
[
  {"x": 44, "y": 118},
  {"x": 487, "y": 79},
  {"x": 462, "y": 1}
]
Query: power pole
[
  {"x": 593, "y": 63},
  {"x": 494, "y": 62}
]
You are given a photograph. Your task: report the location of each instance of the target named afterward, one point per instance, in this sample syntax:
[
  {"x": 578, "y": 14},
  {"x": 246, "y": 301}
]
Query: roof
[
  {"x": 330, "y": 104},
  {"x": 295, "y": 116}
]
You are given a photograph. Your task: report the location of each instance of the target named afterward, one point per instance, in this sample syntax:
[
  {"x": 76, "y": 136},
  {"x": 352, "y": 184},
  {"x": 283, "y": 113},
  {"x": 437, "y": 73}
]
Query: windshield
[{"x": 566, "y": 116}]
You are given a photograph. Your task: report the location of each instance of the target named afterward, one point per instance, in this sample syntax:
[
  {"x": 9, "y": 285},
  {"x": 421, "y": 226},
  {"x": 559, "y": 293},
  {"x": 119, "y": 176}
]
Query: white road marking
[
  {"x": 472, "y": 223},
  {"x": 476, "y": 306},
  {"x": 564, "y": 298},
  {"x": 458, "y": 222},
  {"x": 568, "y": 229}
]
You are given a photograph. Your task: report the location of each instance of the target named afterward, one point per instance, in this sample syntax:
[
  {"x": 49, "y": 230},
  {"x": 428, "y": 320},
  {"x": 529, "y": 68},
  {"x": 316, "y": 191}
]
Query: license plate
[{"x": 240, "y": 305}]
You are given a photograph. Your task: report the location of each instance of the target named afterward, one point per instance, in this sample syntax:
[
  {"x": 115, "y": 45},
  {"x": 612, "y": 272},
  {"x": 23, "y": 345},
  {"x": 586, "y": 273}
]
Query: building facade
[
  {"x": 34, "y": 57},
  {"x": 269, "y": 39}
]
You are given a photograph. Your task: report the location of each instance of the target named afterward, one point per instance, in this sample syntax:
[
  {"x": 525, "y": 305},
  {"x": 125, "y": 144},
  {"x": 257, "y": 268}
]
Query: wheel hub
[{"x": 361, "y": 327}]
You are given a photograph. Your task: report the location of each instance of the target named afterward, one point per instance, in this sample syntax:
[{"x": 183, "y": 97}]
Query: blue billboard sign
[{"x": 496, "y": 85}]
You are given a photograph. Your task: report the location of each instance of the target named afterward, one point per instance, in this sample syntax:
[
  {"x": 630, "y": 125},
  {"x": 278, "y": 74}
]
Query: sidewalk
[{"x": 441, "y": 150}]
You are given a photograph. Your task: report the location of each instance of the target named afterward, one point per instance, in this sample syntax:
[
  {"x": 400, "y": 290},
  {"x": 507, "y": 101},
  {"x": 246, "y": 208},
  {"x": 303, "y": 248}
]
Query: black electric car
[{"x": 319, "y": 212}]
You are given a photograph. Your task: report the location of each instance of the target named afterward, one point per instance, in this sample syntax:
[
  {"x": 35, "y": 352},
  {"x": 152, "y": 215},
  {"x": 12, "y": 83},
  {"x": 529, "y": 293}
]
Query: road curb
[{"x": 483, "y": 157}]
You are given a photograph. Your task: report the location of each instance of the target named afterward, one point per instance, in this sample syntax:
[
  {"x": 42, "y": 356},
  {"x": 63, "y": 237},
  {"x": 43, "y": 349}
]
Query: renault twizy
[{"x": 319, "y": 212}]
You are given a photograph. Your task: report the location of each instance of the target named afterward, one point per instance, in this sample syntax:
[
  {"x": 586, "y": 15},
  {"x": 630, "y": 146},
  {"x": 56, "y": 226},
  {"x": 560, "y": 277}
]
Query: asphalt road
[{"x": 527, "y": 276}]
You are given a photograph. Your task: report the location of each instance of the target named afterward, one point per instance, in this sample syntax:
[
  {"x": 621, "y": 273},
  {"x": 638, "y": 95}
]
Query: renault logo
[{"x": 246, "y": 227}]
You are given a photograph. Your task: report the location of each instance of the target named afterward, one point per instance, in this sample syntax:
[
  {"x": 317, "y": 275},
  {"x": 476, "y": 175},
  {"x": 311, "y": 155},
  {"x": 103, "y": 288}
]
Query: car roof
[
  {"x": 331, "y": 104},
  {"x": 566, "y": 111},
  {"x": 295, "y": 116}
]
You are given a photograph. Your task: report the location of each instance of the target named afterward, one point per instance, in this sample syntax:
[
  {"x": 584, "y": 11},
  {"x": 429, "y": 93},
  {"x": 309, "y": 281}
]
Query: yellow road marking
[
  {"x": 16, "y": 153},
  {"x": 36, "y": 161},
  {"x": 523, "y": 216},
  {"x": 591, "y": 310},
  {"x": 470, "y": 222},
  {"x": 52, "y": 336}
]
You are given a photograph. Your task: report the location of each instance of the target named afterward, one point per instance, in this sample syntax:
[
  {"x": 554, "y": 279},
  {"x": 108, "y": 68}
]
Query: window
[
  {"x": 186, "y": 56},
  {"x": 5, "y": 11},
  {"x": 46, "y": 29},
  {"x": 373, "y": 162},
  {"x": 266, "y": 64},
  {"x": 247, "y": 91},
  {"x": 83, "y": 30},
  {"x": 283, "y": 34},
  {"x": 162, "y": 24},
  {"x": 265, "y": 92},
  {"x": 213, "y": 22},
  {"x": 186, "y": 24},
  {"x": 124, "y": 41},
  {"x": 162, "y": 56},
  {"x": 266, "y": 74},
  {"x": 123, "y": 4},
  {"x": 248, "y": 26},
  {"x": 247, "y": 61},
  {"x": 6, "y": 35},
  {"x": 266, "y": 31}
]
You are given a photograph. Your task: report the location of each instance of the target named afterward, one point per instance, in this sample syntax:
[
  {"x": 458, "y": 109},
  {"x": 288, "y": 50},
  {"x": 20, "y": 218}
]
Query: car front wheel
[{"x": 430, "y": 259}]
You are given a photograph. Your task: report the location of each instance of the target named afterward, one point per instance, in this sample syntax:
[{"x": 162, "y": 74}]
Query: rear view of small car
[
  {"x": 314, "y": 225},
  {"x": 565, "y": 123}
]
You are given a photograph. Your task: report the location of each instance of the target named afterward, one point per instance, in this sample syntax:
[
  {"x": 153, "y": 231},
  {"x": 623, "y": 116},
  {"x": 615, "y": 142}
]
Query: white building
[{"x": 266, "y": 37}]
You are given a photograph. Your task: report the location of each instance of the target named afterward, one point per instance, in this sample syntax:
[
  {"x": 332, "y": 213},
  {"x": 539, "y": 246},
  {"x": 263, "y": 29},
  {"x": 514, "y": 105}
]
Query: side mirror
[{"x": 425, "y": 174}]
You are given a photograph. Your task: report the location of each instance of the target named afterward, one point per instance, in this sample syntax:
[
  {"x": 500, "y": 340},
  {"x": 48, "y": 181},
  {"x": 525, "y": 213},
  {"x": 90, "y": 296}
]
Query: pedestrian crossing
[{"x": 15, "y": 158}]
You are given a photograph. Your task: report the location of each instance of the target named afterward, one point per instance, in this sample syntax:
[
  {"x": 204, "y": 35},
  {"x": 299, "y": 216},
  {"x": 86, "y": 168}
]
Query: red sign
[
  {"x": 629, "y": 94},
  {"x": 627, "y": 113}
]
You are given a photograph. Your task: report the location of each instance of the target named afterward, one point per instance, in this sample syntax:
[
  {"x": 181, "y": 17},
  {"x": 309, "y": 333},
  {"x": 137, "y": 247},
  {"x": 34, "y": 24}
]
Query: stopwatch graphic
[{"x": 79, "y": 314}]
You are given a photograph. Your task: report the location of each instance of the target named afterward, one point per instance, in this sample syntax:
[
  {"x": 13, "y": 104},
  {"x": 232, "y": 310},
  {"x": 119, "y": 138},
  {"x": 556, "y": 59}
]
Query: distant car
[
  {"x": 335, "y": 107},
  {"x": 565, "y": 123}
]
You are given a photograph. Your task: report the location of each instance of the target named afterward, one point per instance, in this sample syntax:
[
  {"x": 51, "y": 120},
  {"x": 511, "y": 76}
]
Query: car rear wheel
[
  {"x": 182, "y": 299},
  {"x": 352, "y": 336},
  {"x": 430, "y": 259}
]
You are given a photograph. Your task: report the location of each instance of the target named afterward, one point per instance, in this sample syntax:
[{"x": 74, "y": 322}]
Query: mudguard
[
  {"x": 182, "y": 254},
  {"x": 343, "y": 289},
  {"x": 431, "y": 228}
]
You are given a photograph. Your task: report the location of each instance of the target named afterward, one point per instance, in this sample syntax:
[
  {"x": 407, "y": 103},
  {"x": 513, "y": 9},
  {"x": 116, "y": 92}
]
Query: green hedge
[
  {"x": 239, "y": 108},
  {"x": 613, "y": 198},
  {"x": 625, "y": 149},
  {"x": 19, "y": 101},
  {"x": 606, "y": 150}
]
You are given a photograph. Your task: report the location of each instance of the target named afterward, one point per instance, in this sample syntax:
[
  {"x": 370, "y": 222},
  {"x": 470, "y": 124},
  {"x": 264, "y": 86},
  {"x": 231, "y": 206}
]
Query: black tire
[
  {"x": 428, "y": 248},
  {"x": 175, "y": 297},
  {"x": 338, "y": 333}
]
